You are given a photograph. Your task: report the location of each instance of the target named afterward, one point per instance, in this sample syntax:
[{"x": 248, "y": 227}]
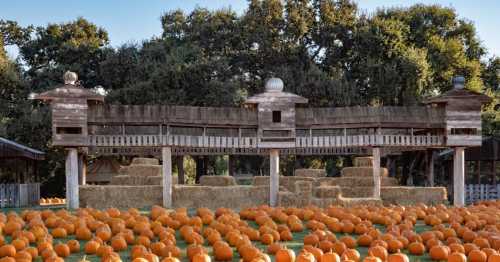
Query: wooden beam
[
  {"x": 274, "y": 165},
  {"x": 458, "y": 177},
  {"x": 166, "y": 153},
  {"x": 376, "y": 172},
  {"x": 72, "y": 196}
]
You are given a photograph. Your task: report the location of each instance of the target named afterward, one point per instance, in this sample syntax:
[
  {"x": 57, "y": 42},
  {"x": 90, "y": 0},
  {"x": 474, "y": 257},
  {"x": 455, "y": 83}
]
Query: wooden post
[
  {"x": 430, "y": 167},
  {"x": 166, "y": 153},
  {"x": 376, "y": 172},
  {"x": 72, "y": 198},
  {"x": 274, "y": 165},
  {"x": 82, "y": 169},
  {"x": 458, "y": 177}
]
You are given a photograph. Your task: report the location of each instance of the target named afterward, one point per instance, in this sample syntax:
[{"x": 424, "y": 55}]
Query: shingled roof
[{"x": 10, "y": 149}]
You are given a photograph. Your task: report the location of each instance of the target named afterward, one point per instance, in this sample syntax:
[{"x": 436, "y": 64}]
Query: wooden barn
[{"x": 19, "y": 182}]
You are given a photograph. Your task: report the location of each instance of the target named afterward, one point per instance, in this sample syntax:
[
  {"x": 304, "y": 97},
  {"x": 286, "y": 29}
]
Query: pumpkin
[
  {"x": 104, "y": 250},
  {"x": 223, "y": 253},
  {"x": 317, "y": 253},
  {"x": 457, "y": 257},
  {"x": 267, "y": 239},
  {"x": 62, "y": 250},
  {"x": 201, "y": 257},
  {"x": 325, "y": 245},
  {"x": 349, "y": 241},
  {"x": 23, "y": 256},
  {"x": 19, "y": 244},
  {"x": 330, "y": 257},
  {"x": 311, "y": 239},
  {"x": 74, "y": 246},
  {"x": 416, "y": 248},
  {"x": 398, "y": 257},
  {"x": 305, "y": 256},
  {"x": 7, "y": 251},
  {"x": 91, "y": 247},
  {"x": 273, "y": 248},
  {"x": 378, "y": 251},
  {"x": 393, "y": 245},
  {"x": 33, "y": 252},
  {"x": 477, "y": 256},
  {"x": 351, "y": 254},
  {"x": 339, "y": 247},
  {"x": 439, "y": 252},
  {"x": 118, "y": 243},
  {"x": 59, "y": 232},
  {"x": 285, "y": 255},
  {"x": 494, "y": 258},
  {"x": 83, "y": 234},
  {"x": 365, "y": 240},
  {"x": 371, "y": 258},
  {"x": 194, "y": 249}
]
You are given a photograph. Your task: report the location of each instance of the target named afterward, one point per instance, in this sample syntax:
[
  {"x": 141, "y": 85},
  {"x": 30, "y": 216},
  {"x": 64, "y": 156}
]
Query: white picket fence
[
  {"x": 478, "y": 192},
  {"x": 19, "y": 195}
]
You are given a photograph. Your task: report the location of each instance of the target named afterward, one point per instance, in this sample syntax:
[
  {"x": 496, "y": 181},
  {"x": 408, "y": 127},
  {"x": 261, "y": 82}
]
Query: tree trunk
[{"x": 200, "y": 168}]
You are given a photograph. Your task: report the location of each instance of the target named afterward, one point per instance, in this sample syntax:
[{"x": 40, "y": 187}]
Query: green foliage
[{"x": 324, "y": 50}]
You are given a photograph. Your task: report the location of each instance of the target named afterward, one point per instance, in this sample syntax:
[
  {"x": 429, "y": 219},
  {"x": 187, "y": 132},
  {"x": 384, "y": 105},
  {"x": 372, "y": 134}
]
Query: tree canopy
[{"x": 325, "y": 50}]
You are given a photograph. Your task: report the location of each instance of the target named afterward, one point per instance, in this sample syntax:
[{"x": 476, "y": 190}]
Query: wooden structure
[
  {"x": 19, "y": 185},
  {"x": 482, "y": 170},
  {"x": 272, "y": 123}
]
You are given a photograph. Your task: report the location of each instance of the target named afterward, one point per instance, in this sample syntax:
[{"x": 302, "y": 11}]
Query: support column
[
  {"x": 458, "y": 177},
  {"x": 72, "y": 198},
  {"x": 430, "y": 167},
  {"x": 82, "y": 169},
  {"x": 376, "y": 172},
  {"x": 274, "y": 165},
  {"x": 166, "y": 154}
]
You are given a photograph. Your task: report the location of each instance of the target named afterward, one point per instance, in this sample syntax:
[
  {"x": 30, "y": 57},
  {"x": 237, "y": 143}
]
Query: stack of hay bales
[{"x": 142, "y": 171}]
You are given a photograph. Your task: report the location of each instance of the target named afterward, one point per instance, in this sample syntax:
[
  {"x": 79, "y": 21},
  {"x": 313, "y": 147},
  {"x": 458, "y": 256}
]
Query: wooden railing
[
  {"x": 19, "y": 195},
  {"x": 252, "y": 142},
  {"x": 478, "y": 192}
]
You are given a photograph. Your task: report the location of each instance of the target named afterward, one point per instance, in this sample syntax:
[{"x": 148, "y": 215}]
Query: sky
[{"x": 129, "y": 21}]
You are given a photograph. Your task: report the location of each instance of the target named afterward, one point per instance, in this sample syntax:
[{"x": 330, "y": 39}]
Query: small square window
[{"x": 276, "y": 116}]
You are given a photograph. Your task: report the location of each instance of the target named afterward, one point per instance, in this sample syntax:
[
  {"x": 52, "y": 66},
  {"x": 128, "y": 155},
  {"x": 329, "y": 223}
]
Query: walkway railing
[
  {"x": 252, "y": 142},
  {"x": 478, "y": 192}
]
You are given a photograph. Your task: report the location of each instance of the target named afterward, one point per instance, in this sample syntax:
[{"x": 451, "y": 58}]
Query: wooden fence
[
  {"x": 478, "y": 192},
  {"x": 19, "y": 195}
]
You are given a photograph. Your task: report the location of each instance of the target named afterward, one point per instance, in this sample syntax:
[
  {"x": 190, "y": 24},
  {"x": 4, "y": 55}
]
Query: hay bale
[
  {"x": 118, "y": 196},
  {"x": 325, "y": 202},
  {"x": 366, "y": 201},
  {"x": 309, "y": 172},
  {"x": 365, "y": 161},
  {"x": 362, "y": 172},
  {"x": 139, "y": 180},
  {"x": 145, "y": 161},
  {"x": 303, "y": 187},
  {"x": 286, "y": 199},
  {"x": 217, "y": 181},
  {"x": 357, "y": 192},
  {"x": 141, "y": 170},
  {"x": 389, "y": 181},
  {"x": 327, "y": 192},
  {"x": 260, "y": 181}
]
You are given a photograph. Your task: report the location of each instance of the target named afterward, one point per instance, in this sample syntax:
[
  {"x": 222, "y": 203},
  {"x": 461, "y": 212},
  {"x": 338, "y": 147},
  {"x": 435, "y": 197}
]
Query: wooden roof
[
  {"x": 11, "y": 149},
  {"x": 459, "y": 93},
  {"x": 68, "y": 91}
]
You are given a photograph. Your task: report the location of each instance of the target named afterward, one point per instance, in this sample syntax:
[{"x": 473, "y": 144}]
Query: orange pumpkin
[
  {"x": 439, "y": 252},
  {"x": 351, "y": 254},
  {"x": 416, "y": 248},
  {"x": 305, "y": 256},
  {"x": 477, "y": 256},
  {"x": 7, "y": 251},
  {"x": 457, "y": 257},
  {"x": 62, "y": 250},
  {"x": 398, "y": 257},
  {"x": 285, "y": 255}
]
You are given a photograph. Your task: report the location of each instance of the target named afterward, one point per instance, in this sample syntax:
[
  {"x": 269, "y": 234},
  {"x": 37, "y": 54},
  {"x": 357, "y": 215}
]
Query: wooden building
[
  {"x": 270, "y": 123},
  {"x": 19, "y": 182}
]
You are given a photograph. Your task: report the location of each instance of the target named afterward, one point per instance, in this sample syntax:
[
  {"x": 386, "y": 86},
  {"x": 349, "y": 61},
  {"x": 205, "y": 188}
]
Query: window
[
  {"x": 276, "y": 116},
  {"x": 69, "y": 130},
  {"x": 463, "y": 131}
]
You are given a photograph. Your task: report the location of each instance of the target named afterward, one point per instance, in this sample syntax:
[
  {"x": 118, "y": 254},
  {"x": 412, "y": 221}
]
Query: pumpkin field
[{"x": 256, "y": 234}]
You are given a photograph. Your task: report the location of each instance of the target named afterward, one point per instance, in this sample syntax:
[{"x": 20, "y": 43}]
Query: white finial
[
  {"x": 70, "y": 78},
  {"x": 274, "y": 84}
]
